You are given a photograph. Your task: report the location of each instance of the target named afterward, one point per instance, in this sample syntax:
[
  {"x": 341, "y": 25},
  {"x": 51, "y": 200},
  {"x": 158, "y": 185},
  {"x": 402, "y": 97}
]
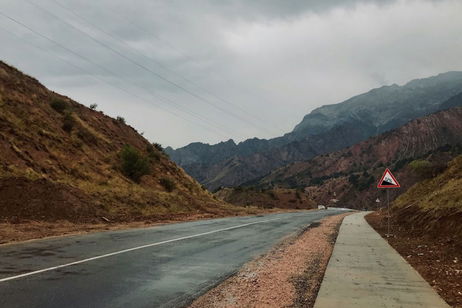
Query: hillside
[
  {"x": 350, "y": 175},
  {"x": 325, "y": 129},
  {"x": 62, "y": 160},
  {"x": 267, "y": 198},
  {"x": 434, "y": 203}
]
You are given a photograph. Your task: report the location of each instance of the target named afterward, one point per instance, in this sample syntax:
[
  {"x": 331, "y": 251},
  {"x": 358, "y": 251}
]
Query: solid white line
[{"x": 131, "y": 249}]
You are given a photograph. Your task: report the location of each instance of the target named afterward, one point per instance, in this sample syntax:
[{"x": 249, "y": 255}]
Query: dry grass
[
  {"x": 35, "y": 147},
  {"x": 441, "y": 192}
]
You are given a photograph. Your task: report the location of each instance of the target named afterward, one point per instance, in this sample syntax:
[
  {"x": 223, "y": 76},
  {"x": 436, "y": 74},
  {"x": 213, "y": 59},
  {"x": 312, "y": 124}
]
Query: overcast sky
[{"x": 209, "y": 70}]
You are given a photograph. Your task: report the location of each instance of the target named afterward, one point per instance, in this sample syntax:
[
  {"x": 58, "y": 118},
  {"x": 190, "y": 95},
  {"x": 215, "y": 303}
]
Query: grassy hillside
[
  {"x": 441, "y": 192},
  {"x": 435, "y": 202},
  {"x": 62, "y": 160}
]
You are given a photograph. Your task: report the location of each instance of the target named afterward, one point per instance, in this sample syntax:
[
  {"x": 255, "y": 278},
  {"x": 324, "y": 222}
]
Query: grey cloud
[{"x": 268, "y": 61}]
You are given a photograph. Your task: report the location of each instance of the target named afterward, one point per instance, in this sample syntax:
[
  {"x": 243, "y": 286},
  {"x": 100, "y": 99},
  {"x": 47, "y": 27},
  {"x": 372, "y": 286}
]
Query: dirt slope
[{"x": 62, "y": 160}]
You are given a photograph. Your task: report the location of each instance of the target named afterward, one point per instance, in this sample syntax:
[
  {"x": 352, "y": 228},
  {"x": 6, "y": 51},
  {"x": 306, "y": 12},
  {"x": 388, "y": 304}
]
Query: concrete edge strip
[{"x": 131, "y": 249}]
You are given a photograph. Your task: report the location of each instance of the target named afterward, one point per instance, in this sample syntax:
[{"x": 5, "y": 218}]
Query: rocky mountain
[
  {"x": 351, "y": 174},
  {"x": 62, "y": 160},
  {"x": 325, "y": 129}
]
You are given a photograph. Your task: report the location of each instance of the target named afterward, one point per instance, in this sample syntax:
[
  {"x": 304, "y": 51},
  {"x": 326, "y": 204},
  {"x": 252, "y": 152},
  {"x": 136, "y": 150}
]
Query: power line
[
  {"x": 101, "y": 67},
  {"x": 245, "y": 112},
  {"x": 136, "y": 63}
]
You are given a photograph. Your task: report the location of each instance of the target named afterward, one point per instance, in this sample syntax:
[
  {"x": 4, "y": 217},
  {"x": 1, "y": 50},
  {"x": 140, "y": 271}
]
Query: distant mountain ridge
[
  {"x": 325, "y": 129},
  {"x": 351, "y": 174}
]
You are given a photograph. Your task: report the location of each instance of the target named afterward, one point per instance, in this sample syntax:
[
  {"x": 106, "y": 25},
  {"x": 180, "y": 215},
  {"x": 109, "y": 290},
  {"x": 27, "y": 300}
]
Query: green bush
[
  {"x": 133, "y": 164},
  {"x": 120, "y": 119},
  {"x": 153, "y": 154},
  {"x": 168, "y": 184},
  {"x": 59, "y": 105},
  {"x": 93, "y": 106},
  {"x": 419, "y": 165},
  {"x": 158, "y": 147},
  {"x": 68, "y": 122},
  {"x": 425, "y": 169}
]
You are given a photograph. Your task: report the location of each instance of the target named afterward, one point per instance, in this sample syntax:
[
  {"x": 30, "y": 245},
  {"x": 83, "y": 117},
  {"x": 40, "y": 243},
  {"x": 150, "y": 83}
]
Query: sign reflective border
[{"x": 388, "y": 180}]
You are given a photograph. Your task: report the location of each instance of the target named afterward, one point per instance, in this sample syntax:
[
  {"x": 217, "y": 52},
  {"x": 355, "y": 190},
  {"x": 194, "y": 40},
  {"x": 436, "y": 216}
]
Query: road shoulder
[{"x": 289, "y": 275}]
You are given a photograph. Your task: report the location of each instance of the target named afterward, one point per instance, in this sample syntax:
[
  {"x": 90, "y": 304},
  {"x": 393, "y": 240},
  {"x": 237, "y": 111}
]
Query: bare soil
[
  {"x": 435, "y": 254},
  {"x": 22, "y": 198},
  {"x": 288, "y": 276}
]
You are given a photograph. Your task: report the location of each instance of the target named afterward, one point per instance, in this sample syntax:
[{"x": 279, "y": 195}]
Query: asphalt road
[{"x": 163, "y": 266}]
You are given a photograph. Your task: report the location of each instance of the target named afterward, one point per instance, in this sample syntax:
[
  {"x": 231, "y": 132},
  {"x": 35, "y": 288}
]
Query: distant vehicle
[{"x": 322, "y": 207}]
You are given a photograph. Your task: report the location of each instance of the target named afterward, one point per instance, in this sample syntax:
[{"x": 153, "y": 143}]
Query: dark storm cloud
[{"x": 235, "y": 69}]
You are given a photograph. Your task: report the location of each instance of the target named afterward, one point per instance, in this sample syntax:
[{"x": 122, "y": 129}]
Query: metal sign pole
[
  {"x": 388, "y": 181},
  {"x": 388, "y": 210}
]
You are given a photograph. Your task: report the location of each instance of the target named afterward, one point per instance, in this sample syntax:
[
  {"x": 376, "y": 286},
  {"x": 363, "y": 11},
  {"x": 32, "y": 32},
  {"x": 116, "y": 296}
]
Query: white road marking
[{"x": 130, "y": 249}]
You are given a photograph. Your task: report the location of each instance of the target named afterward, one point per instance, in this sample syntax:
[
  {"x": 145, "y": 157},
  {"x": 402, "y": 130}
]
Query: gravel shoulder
[{"x": 288, "y": 276}]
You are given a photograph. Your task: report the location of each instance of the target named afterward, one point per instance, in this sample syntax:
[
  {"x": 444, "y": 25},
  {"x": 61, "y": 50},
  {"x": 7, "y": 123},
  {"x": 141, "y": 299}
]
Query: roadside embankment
[{"x": 437, "y": 256}]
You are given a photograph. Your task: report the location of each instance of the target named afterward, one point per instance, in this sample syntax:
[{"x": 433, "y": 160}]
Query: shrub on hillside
[
  {"x": 425, "y": 169},
  {"x": 153, "y": 154},
  {"x": 68, "y": 122},
  {"x": 59, "y": 105},
  {"x": 133, "y": 164},
  {"x": 158, "y": 147},
  {"x": 93, "y": 106},
  {"x": 168, "y": 184},
  {"x": 120, "y": 119}
]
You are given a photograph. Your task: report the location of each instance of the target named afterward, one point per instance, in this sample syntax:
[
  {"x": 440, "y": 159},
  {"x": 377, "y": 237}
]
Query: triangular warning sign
[{"x": 388, "y": 180}]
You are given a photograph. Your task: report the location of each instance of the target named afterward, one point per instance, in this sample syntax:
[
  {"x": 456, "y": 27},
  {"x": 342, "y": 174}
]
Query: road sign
[{"x": 388, "y": 180}]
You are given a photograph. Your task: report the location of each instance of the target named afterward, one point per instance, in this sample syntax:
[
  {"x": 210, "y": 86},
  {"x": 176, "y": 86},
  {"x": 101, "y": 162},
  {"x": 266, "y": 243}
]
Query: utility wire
[
  {"x": 136, "y": 63},
  {"x": 104, "y": 69},
  {"x": 85, "y": 20}
]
